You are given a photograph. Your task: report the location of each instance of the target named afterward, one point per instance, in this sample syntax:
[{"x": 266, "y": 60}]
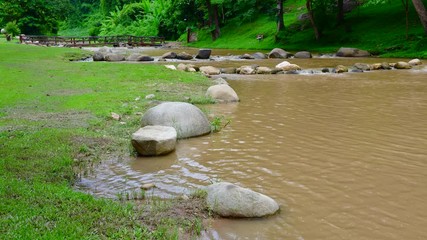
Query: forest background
[{"x": 384, "y": 27}]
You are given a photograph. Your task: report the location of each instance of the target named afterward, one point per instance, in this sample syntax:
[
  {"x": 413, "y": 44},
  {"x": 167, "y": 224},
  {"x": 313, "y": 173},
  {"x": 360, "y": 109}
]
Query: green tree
[
  {"x": 12, "y": 28},
  {"x": 35, "y": 16}
]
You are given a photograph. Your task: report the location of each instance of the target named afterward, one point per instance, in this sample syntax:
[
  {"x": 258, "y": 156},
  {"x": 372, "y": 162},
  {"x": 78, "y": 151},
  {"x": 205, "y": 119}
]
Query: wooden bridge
[{"x": 116, "y": 41}]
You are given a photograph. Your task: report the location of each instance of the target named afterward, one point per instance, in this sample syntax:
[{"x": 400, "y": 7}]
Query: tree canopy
[{"x": 169, "y": 18}]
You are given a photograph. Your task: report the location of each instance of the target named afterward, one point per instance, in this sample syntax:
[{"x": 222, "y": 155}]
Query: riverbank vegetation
[
  {"x": 55, "y": 123},
  {"x": 393, "y": 28}
]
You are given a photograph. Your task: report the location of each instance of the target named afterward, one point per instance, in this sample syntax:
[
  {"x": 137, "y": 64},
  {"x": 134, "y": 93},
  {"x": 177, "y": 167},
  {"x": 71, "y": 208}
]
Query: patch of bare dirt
[
  {"x": 190, "y": 214},
  {"x": 70, "y": 119}
]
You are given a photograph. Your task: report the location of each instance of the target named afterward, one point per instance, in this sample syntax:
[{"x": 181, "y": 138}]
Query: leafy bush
[{"x": 12, "y": 28}]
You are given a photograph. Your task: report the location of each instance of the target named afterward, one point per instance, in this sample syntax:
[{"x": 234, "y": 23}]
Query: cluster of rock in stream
[{"x": 163, "y": 124}]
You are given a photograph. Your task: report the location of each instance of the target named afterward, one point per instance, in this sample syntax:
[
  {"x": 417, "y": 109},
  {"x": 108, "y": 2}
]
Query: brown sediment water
[{"x": 345, "y": 155}]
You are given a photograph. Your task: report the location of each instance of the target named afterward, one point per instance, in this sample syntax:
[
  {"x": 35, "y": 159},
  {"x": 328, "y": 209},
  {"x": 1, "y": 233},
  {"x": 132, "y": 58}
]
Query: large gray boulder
[
  {"x": 98, "y": 56},
  {"x": 279, "y": 53},
  {"x": 184, "y": 56},
  {"x": 154, "y": 140},
  {"x": 229, "y": 200},
  {"x": 187, "y": 119},
  {"x": 209, "y": 70},
  {"x": 222, "y": 93},
  {"x": 303, "y": 54},
  {"x": 352, "y": 52},
  {"x": 114, "y": 57},
  {"x": 204, "y": 54}
]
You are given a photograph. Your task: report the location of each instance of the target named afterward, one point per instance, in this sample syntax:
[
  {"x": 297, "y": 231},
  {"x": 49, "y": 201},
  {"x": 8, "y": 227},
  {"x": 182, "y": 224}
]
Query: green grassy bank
[
  {"x": 55, "y": 122},
  {"x": 380, "y": 29}
]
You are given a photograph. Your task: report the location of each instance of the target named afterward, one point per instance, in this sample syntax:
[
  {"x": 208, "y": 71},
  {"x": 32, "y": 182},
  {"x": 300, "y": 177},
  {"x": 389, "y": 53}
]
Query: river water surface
[{"x": 345, "y": 155}]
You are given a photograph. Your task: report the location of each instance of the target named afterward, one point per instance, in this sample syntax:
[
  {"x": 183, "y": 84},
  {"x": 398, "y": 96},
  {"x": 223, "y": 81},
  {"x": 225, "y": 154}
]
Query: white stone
[
  {"x": 222, "y": 93},
  {"x": 115, "y": 116},
  {"x": 150, "y": 96},
  {"x": 154, "y": 140},
  {"x": 287, "y": 66},
  {"x": 172, "y": 67}
]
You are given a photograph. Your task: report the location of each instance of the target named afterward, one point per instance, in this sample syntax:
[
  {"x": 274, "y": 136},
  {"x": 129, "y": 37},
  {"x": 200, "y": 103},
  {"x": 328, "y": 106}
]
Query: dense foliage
[
  {"x": 35, "y": 16},
  {"x": 172, "y": 18}
]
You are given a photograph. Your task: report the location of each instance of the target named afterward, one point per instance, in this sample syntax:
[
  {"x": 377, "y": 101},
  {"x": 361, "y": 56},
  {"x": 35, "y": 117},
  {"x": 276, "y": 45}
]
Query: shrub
[{"x": 12, "y": 28}]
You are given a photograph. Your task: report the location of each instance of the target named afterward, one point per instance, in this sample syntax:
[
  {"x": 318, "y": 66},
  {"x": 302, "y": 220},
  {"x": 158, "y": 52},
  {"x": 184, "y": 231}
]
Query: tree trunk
[
  {"x": 340, "y": 15},
  {"x": 209, "y": 7},
  {"x": 280, "y": 22},
  {"x": 406, "y": 5},
  {"x": 213, "y": 19},
  {"x": 311, "y": 17},
  {"x": 422, "y": 14},
  {"x": 216, "y": 33}
]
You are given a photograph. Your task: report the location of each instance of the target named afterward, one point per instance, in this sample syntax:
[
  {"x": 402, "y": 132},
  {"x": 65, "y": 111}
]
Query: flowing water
[{"x": 345, "y": 155}]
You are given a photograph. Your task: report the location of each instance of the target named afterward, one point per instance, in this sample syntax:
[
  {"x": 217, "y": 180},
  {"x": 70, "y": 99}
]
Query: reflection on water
[{"x": 344, "y": 155}]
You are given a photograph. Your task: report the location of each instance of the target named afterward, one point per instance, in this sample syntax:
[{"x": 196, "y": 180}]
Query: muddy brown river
[{"x": 345, "y": 155}]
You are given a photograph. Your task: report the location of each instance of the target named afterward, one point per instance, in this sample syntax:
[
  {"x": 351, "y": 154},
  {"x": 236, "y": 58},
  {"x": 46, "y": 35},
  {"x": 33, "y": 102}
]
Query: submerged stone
[{"x": 229, "y": 200}]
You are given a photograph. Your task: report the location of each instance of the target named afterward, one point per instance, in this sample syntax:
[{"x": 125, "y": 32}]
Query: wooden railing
[{"x": 123, "y": 40}]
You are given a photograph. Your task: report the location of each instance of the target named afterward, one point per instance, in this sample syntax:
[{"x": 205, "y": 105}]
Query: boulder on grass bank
[
  {"x": 154, "y": 140},
  {"x": 171, "y": 67},
  {"x": 222, "y": 93},
  {"x": 98, "y": 56},
  {"x": 187, "y": 119},
  {"x": 229, "y": 200}
]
